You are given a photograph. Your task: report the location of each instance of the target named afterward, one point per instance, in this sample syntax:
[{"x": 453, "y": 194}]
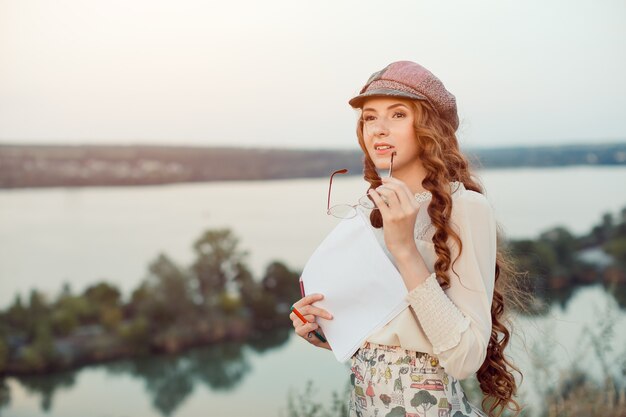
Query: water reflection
[
  {"x": 169, "y": 380},
  {"x": 45, "y": 386},
  {"x": 549, "y": 298},
  {"x": 5, "y": 394}
]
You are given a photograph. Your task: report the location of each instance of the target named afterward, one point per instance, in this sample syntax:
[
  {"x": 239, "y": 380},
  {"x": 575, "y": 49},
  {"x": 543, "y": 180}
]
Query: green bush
[
  {"x": 136, "y": 333},
  {"x": 4, "y": 353}
]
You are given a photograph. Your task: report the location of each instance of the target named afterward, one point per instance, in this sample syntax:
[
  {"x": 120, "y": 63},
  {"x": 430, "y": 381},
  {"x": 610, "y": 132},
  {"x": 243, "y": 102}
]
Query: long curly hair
[{"x": 443, "y": 162}]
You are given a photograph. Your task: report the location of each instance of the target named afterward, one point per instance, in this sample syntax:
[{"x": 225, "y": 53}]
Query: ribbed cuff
[{"x": 440, "y": 318}]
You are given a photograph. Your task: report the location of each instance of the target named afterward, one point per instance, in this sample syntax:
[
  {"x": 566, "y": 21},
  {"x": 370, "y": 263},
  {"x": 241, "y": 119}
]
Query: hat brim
[{"x": 357, "y": 102}]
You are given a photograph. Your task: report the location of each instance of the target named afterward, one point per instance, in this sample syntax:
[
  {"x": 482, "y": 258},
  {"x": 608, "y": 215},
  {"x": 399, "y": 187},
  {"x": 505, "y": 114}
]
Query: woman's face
[{"x": 387, "y": 127}]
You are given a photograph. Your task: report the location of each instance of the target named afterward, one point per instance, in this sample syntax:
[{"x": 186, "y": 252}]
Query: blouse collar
[{"x": 425, "y": 195}]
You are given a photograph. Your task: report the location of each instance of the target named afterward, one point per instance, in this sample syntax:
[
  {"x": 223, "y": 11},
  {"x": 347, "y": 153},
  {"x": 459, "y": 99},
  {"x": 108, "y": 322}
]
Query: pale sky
[{"x": 279, "y": 73}]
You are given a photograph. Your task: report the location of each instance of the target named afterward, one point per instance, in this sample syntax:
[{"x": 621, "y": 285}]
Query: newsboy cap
[{"x": 410, "y": 80}]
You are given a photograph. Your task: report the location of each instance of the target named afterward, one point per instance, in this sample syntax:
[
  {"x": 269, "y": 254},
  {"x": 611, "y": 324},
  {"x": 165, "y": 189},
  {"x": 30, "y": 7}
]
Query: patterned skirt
[{"x": 389, "y": 381}]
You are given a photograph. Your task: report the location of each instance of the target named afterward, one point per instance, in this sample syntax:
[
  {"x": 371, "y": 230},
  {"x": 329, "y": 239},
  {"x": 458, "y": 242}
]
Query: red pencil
[
  {"x": 295, "y": 310},
  {"x": 301, "y": 317}
]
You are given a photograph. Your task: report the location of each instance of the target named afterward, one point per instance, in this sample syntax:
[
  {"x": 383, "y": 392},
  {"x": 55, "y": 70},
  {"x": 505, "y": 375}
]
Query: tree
[
  {"x": 563, "y": 244},
  {"x": 69, "y": 311},
  {"x": 281, "y": 282},
  {"x": 4, "y": 353},
  {"x": 170, "y": 286},
  {"x": 602, "y": 232},
  {"x": 106, "y": 302},
  {"x": 40, "y": 353},
  {"x": 136, "y": 333},
  {"x": 397, "y": 412},
  {"x": 16, "y": 314},
  {"x": 247, "y": 287},
  {"x": 617, "y": 249},
  {"x": 538, "y": 259},
  {"x": 607, "y": 223},
  {"x": 217, "y": 263},
  {"x": 423, "y": 399},
  {"x": 103, "y": 294},
  {"x": 35, "y": 314},
  {"x": 110, "y": 317},
  {"x": 37, "y": 304},
  {"x": 64, "y": 321}
]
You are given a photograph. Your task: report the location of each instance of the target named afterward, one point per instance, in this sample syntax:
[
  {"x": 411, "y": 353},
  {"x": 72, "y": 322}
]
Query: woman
[{"x": 440, "y": 232}]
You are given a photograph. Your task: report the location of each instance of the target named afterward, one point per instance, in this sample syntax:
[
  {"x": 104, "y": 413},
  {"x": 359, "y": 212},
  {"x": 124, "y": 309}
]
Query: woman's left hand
[{"x": 399, "y": 209}]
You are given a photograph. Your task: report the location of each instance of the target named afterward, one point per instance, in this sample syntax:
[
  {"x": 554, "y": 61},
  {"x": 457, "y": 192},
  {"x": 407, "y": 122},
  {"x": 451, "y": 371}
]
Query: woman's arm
[
  {"x": 457, "y": 321},
  {"x": 399, "y": 214}
]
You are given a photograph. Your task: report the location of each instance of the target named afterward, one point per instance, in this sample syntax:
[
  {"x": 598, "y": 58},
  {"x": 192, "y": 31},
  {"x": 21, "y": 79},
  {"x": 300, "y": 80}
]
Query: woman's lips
[{"x": 384, "y": 151}]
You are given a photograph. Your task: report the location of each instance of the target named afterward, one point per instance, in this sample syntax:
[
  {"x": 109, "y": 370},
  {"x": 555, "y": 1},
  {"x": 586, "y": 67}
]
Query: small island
[{"x": 217, "y": 300}]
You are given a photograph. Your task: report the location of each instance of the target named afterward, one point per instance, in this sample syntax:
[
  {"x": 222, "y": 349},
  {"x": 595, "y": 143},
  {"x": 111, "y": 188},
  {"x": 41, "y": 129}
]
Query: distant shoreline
[{"x": 37, "y": 166}]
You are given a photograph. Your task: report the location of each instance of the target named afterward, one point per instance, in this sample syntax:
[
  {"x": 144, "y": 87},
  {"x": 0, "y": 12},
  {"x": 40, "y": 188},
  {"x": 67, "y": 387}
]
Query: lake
[{"x": 84, "y": 235}]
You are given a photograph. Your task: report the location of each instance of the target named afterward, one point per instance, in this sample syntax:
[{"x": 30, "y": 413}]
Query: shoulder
[{"x": 469, "y": 205}]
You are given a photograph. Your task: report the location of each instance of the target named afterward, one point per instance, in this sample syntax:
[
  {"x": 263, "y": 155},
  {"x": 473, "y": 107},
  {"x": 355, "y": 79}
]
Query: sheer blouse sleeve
[{"x": 457, "y": 321}]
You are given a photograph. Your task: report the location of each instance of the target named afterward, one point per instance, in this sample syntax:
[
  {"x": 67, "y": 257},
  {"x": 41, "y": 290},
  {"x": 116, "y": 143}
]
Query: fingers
[
  {"x": 314, "y": 340},
  {"x": 310, "y": 314},
  {"x": 305, "y": 306},
  {"x": 309, "y": 311},
  {"x": 309, "y": 299},
  {"x": 395, "y": 208},
  {"x": 304, "y": 329},
  {"x": 401, "y": 186},
  {"x": 310, "y": 318},
  {"x": 315, "y": 311},
  {"x": 406, "y": 199},
  {"x": 388, "y": 195},
  {"x": 380, "y": 204}
]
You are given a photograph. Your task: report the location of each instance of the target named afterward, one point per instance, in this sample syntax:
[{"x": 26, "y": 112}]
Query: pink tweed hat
[{"x": 410, "y": 80}]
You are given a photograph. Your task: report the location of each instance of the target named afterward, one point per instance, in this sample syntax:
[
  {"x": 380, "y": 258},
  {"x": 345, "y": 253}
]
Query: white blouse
[{"x": 452, "y": 324}]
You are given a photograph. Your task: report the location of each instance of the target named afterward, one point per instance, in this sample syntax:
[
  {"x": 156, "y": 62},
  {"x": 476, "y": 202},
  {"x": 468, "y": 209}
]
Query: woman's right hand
[{"x": 309, "y": 311}]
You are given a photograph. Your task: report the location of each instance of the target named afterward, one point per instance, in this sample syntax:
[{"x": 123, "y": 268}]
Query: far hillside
[{"x": 109, "y": 165}]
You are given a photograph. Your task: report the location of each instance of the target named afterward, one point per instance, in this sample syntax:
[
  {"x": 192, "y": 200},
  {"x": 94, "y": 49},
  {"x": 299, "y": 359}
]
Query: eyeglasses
[{"x": 347, "y": 211}]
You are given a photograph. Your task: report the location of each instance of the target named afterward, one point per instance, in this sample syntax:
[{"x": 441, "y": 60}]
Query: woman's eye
[
  {"x": 368, "y": 118},
  {"x": 399, "y": 114}
]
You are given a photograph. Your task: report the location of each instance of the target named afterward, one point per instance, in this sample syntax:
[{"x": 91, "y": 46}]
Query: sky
[{"x": 279, "y": 73}]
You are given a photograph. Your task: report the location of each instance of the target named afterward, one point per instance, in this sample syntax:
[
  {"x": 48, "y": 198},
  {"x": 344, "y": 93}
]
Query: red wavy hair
[{"x": 443, "y": 161}]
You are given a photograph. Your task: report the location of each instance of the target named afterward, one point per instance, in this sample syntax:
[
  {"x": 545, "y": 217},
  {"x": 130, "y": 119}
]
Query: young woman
[{"x": 439, "y": 230}]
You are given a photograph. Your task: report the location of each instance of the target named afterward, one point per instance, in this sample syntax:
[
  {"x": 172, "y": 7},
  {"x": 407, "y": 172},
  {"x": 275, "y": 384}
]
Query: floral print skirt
[{"x": 389, "y": 381}]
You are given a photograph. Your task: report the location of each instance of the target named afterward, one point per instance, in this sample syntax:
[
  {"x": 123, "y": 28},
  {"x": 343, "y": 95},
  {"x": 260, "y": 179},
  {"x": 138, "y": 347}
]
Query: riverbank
[
  {"x": 23, "y": 166},
  {"x": 216, "y": 299}
]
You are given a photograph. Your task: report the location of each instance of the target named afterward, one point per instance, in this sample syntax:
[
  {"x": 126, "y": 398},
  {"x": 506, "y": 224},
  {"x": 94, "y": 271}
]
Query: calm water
[
  {"x": 83, "y": 235},
  {"x": 237, "y": 380}
]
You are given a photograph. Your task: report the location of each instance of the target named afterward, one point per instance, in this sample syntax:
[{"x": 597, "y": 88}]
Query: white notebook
[{"x": 362, "y": 288}]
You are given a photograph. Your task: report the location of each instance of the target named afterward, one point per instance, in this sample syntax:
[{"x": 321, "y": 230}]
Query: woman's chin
[
  {"x": 382, "y": 168},
  {"x": 381, "y": 162}
]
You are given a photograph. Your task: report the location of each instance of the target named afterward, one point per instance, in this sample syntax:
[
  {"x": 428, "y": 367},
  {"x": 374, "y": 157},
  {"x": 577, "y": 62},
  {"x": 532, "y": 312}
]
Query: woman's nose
[{"x": 380, "y": 128}]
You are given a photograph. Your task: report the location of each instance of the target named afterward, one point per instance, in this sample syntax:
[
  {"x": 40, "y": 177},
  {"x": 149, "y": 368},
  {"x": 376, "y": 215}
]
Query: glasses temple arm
[{"x": 341, "y": 171}]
